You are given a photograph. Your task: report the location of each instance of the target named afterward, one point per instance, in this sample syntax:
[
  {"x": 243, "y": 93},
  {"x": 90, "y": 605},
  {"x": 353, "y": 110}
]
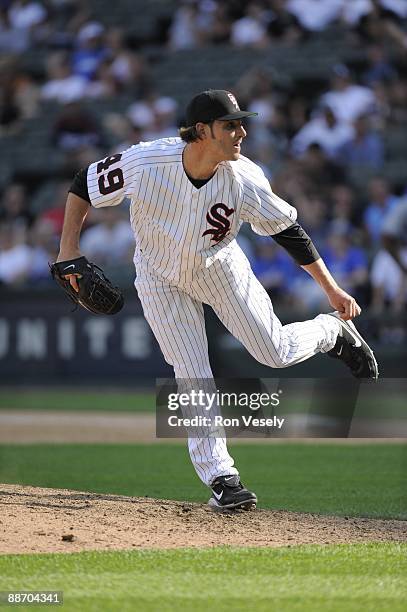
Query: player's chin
[{"x": 235, "y": 153}]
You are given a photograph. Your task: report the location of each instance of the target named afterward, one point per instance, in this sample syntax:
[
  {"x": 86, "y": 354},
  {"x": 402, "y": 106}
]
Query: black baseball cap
[{"x": 214, "y": 104}]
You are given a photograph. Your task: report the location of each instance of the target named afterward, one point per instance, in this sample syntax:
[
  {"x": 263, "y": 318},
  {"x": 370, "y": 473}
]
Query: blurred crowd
[{"x": 323, "y": 149}]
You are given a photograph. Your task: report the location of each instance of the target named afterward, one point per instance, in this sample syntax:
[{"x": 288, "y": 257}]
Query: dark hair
[{"x": 190, "y": 134}]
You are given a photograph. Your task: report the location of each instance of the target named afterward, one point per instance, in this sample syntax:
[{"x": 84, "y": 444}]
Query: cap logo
[{"x": 233, "y": 100}]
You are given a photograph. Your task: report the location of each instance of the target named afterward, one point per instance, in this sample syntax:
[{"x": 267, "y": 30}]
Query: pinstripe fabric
[
  {"x": 244, "y": 307},
  {"x": 169, "y": 215},
  {"x": 177, "y": 321},
  {"x": 181, "y": 262}
]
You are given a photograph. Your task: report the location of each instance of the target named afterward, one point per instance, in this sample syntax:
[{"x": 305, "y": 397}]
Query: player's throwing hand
[{"x": 344, "y": 303}]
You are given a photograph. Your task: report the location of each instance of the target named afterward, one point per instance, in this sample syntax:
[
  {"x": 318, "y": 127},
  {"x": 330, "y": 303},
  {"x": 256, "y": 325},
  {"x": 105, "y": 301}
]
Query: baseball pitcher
[{"x": 189, "y": 197}]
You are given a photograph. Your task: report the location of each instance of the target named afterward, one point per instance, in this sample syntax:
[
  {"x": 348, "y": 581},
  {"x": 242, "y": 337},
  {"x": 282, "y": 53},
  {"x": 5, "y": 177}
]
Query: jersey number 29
[{"x": 113, "y": 180}]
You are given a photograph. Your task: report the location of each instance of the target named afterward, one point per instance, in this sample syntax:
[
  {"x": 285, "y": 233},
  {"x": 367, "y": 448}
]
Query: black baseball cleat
[
  {"x": 228, "y": 493},
  {"x": 354, "y": 351}
]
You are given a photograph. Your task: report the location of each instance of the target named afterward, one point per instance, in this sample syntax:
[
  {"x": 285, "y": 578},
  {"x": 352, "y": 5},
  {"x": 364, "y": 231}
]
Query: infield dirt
[{"x": 39, "y": 520}]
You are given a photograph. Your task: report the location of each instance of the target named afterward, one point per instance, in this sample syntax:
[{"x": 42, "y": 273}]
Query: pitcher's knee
[
  {"x": 276, "y": 359},
  {"x": 283, "y": 362}
]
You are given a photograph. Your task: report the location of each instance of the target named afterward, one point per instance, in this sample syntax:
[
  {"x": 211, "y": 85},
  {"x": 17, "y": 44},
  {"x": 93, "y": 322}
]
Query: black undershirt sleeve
[
  {"x": 80, "y": 185},
  {"x": 298, "y": 244}
]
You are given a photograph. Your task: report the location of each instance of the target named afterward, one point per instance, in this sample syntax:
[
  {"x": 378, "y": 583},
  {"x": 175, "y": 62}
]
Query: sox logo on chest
[{"x": 219, "y": 221}]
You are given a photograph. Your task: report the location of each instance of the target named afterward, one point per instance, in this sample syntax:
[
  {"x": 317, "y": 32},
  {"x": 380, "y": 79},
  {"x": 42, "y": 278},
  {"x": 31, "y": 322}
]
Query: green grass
[
  {"x": 304, "y": 578},
  {"x": 360, "y": 480},
  {"x": 77, "y": 400}
]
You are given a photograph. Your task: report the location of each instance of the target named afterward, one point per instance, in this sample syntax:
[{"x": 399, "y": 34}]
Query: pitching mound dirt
[{"x": 34, "y": 520}]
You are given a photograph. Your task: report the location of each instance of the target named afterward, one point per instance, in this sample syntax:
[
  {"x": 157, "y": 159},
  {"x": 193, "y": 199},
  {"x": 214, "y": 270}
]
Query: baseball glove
[{"x": 96, "y": 292}]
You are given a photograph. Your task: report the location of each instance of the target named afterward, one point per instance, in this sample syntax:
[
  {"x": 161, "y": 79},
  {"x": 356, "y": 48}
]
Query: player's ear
[{"x": 200, "y": 130}]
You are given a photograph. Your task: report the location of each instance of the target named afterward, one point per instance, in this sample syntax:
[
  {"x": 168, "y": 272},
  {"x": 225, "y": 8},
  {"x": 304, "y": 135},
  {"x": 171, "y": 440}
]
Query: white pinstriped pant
[{"x": 176, "y": 318}]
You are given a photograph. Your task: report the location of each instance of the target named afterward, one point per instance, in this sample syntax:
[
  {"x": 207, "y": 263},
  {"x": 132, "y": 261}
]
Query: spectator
[
  {"x": 26, "y": 15},
  {"x": 63, "y": 86},
  {"x": 397, "y": 7},
  {"x": 267, "y": 147},
  {"x": 343, "y": 210},
  {"x": 67, "y": 17},
  {"x": 389, "y": 268},
  {"x": 155, "y": 115},
  {"x": 218, "y": 29},
  {"x": 53, "y": 216},
  {"x": 257, "y": 84},
  {"x": 312, "y": 210},
  {"x": 15, "y": 255},
  {"x": 272, "y": 266},
  {"x": 267, "y": 157},
  {"x": 297, "y": 111},
  {"x": 319, "y": 170},
  {"x": 14, "y": 207},
  {"x": 12, "y": 40},
  {"x": 44, "y": 248},
  {"x": 185, "y": 31},
  {"x": 291, "y": 182},
  {"x": 315, "y": 15},
  {"x": 128, "y": 69},
  {"x": 354, "y": 11},
  {"x": 250, "y": 30},
  {"x": 397, "y": 100},
  {"x": 347, "y": 263},
  {"x": 103, "y": 84},
  {"x": 91, "y": 50},
  {"x": 26, "y": 93},
  {"x": 267, "y": 129},
  {"x": 379, "y": 68},
  {"x": 10, "y": 114},
  {"x": 283, "y": 26},
  {"x": 81, "y": 158},
  {"x": 325, "y": 130},
  {"x": 297, "y": 143},
  {"x": 389, "y": 285},
  {"x": 75, "y": 128},
  {"x": 19, "y": 94},
  {"x": 141, "y": 115},
  {"x": 122, "y": 132},
  {"x": 365, "y": 150},
  {"x": 383, "y": 23},
  {"x": 394, "y": 233},
  {"x": 381, "y": 202},
  {"x": 164, "y": 123},
  {"x": 111, "y": 240},
  {"x": 347, "y": 99}
]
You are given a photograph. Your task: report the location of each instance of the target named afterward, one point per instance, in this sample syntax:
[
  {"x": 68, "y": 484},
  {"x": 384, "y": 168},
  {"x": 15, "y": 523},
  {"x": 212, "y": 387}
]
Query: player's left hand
[
  {"x": 344, "y": 303},
  {"x": 92, "y": 290}
]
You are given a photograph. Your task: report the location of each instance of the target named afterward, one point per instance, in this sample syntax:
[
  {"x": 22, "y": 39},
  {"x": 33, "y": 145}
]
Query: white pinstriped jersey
[
  {"x": 186, "y": 255},
  {"x": 179, "y": 228}
]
